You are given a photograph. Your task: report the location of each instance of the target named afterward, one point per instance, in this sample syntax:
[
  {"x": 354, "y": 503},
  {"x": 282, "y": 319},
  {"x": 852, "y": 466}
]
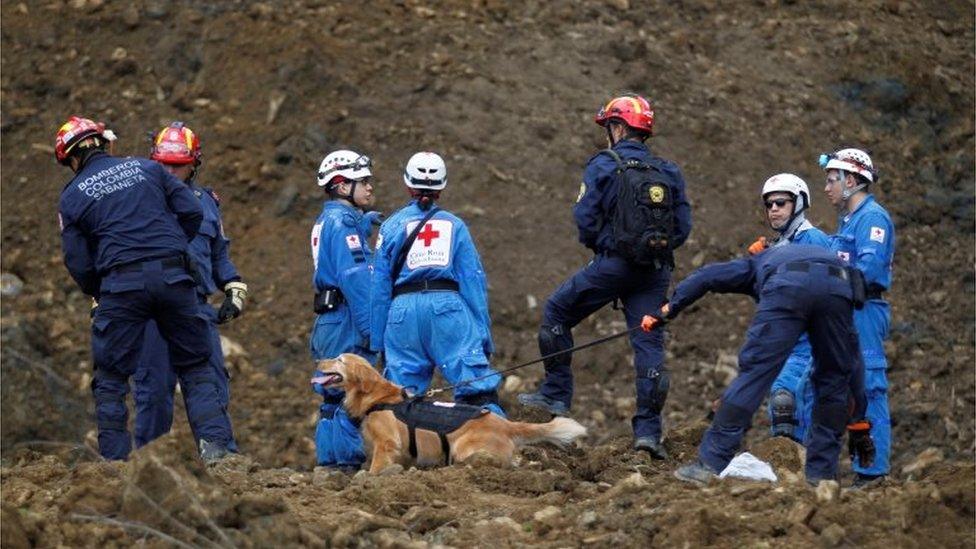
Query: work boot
[
  {"x": 695, "y": 472},
  {"x": 536, "y": 400},
  {"x": 211, "y": 452},
  {"x": 782, "y": 430},
  {"x": 652, "y": 446}
]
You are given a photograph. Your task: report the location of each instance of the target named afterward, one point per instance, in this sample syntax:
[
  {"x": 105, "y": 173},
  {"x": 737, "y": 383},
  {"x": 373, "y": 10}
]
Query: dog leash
[{"x": 432, "y": 392}]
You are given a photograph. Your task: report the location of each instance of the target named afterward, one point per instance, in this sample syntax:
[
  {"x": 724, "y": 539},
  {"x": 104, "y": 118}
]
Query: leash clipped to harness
[{"x": 432, "y": 392}]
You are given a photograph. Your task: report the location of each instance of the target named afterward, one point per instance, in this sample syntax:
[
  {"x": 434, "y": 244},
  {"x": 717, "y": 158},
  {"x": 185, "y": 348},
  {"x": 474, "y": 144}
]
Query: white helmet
[
  {"x": 850, "y": 160},
  {"x": 346, "y": 164},
  {"x": 789, "y": 183},
  {"x": 425, "y": 171}
]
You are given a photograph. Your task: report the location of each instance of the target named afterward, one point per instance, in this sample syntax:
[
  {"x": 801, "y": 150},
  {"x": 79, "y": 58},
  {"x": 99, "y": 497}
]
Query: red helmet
[
  {"x": 633, "y": 110},
  {"x": 176, "y": 144},
  {"x": 72, "y": 132}
]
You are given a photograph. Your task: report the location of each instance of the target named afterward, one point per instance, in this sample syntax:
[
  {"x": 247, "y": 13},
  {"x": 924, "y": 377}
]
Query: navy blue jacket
[
  {"x": 597, "y": 200},
  {"x": 746, "y": 275},
  {"x": 121, "y": 210},
  {"x": 210, "y": 249}
]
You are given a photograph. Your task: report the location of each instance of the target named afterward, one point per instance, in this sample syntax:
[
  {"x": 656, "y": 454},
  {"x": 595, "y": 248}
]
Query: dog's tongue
[{"x": 324, "y": 379}]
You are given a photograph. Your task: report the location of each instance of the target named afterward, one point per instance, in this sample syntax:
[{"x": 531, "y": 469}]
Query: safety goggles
[{"x": 778, "y": 202}]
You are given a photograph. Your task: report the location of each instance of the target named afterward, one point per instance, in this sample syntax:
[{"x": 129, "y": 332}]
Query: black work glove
[
  {"x": 235, "y": 293},
  {"x": 859, "y": 442}
]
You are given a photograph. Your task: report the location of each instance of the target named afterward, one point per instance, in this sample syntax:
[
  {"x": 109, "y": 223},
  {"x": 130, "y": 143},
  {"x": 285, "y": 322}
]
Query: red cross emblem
[{"x": 428, "y": 235}]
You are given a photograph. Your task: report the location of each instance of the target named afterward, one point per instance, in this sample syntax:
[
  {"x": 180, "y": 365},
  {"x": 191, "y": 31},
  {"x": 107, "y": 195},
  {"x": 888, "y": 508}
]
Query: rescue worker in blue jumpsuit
[
  {"x": 178, "y": 149},
  {"x": 799, "y": 289},
  {"x": 125, "y": 224},
  {"x": 786, "y": 198},
  {"x": 628, "y": 121},
  {"x": 434, "y": 310},
  {"x": 341, "y": 257},
  {"x": 866, "y": 238}
]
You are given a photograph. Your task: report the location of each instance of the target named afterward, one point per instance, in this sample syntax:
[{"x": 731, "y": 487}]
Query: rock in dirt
[
  {"x": 10, "y": 284},
  {"x": 547, "y": 515},
  {"x": 828, "y": 491},
  {"x": 930, "y": 456},
  {"x": 833, "y": 535}
]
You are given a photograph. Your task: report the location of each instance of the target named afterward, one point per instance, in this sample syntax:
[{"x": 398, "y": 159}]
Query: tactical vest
[
  {"x": 442, "y": 418},
  {"x": 643, "y": 220}
]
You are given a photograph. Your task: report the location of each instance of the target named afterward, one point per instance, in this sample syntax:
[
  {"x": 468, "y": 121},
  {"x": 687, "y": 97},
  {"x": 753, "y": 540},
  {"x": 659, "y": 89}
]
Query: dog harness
[{"x": 442, "y": 418}]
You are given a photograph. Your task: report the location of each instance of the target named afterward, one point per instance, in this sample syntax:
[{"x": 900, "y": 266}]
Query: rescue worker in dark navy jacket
[
  {"x": 125, "y": 223},
  {"x": 628, "y": 121},
  {"x": 178, "y": 149},
  {"x": 433, "y": 312},
  {"x": 342, "y": 258},
  {"x": 799, "y": 288}
]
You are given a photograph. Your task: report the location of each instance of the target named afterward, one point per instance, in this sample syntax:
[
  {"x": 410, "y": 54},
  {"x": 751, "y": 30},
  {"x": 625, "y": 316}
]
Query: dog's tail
[{"x": 559, "y": 431}]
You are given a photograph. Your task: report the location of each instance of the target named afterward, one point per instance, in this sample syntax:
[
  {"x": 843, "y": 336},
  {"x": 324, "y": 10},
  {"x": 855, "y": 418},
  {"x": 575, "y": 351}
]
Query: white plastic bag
[{"x": 748, "y": 466}]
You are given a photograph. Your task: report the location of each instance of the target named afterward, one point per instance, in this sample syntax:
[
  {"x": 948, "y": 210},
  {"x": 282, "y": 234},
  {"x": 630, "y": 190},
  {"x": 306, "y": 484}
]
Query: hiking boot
[
  {"x": 862, "y": 481},
  {"x": 695, "y": 472},
  {"x": 211, "y": 452},
  {"x": 782, "y": 430},
  {"x": 652, "y": 446},
  {"x": 536, "y": 400}
]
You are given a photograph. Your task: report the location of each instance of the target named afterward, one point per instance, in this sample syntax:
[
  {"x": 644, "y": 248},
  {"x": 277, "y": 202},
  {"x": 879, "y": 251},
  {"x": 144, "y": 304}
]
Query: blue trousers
[
  {"x": 641, "y": 290},
  {"x": 128, "y": 301},
  {"x": 793, "y": 302},
  {"x": 337, "y": 439},
  {"x": 431, "y": 328},
  {"x": 872, "y": 324},
  {"x": 155, "y": 381}
]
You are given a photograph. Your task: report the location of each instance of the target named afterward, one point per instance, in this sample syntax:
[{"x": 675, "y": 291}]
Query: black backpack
[{"x": 643, "y": 221}]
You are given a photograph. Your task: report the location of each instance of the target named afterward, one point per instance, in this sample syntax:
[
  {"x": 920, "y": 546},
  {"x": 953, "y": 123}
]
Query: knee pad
[
  {"x": 730, "y": 415},
  {"x": 109, "y": 392},
  {"x": 553, "y": 339},
  {"x": 783, "y": 404},
  {"x": 653, "y": 389}
]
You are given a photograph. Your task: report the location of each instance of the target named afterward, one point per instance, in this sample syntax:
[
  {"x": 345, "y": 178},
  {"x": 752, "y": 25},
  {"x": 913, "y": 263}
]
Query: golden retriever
[{"x": 386, "y": 437}]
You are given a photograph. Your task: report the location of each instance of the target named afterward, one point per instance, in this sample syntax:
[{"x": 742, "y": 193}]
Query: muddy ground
[{"x": 506, "y": 92}]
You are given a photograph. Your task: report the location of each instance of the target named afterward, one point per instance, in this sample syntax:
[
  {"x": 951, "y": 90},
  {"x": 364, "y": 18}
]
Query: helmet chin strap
[{"x": 846, "y": 194}]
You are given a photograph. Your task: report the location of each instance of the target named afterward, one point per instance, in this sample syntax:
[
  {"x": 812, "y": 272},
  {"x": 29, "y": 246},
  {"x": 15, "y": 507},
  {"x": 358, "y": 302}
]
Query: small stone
[
  {"x": 547, "y": 514},
  {"x": 285, "y": 199},
  {"x": 587, "y": 520},
  {"x": 531, "y": 301},
  {"x": 230, "y": 347},
  {"x": 512, "y": 384},
  {"x": 131, "y": 17},
  {"x": 833, "y": 535},
  {"x": 507, "y": 523},
  {"x": 801, "y": 514},
  {"x": 598, "y": 416},
  {"x": 157, "y": 9},
  {"x": 828, "y": 491},
  {"x": 119, "y": 54},
  {"x": 927, "y": 458},
  {"x": 10, "y": 284},
  {"x": 392, "y": 470}
]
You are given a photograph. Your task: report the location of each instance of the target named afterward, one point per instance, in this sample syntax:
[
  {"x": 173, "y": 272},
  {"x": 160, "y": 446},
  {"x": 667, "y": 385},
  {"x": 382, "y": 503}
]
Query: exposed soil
[{"x": 506, "y": 92}]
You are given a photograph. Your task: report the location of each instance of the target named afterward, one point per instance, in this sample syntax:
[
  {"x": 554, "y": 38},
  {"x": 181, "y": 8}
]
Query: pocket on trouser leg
[{"x": 188, "y": 339}]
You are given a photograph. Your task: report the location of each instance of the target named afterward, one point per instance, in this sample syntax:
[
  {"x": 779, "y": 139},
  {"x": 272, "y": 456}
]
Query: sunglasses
[{"x": 779, "y": 202}]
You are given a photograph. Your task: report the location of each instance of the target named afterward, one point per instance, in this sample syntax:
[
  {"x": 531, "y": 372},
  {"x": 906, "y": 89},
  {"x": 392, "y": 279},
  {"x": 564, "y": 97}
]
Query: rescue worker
[
  {"x": 125, "y": 224},
  {"x": 178, "y": 149},
  {"x": 429, "y": 299},
  {"x": 341, "y": 257},
  {"x": 866, "y": 238},
  {"x": 611, "y": 275},
  {"x": 786, "y": 198},
  {"x": 799, "y": 288}
]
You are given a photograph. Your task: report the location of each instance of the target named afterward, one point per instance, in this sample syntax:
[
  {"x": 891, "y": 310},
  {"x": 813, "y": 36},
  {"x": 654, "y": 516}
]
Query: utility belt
[
  {"x": 166, "y": 262},
  {"x": 424, "y": 286},
  {"x": 327, "y": 300},
  {"x": 860, "y": 291}
]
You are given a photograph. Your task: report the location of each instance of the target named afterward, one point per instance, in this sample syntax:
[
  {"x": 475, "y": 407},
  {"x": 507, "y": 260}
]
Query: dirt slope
[{"x": 506, "y": 91}]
